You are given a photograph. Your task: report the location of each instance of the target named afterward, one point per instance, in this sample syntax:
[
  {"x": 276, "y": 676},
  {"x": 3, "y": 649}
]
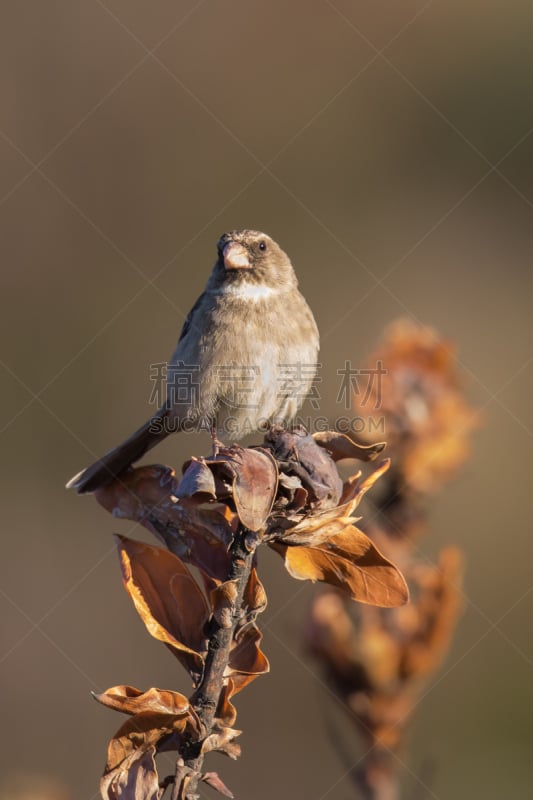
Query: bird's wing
[{"x": 189, "y": 321}]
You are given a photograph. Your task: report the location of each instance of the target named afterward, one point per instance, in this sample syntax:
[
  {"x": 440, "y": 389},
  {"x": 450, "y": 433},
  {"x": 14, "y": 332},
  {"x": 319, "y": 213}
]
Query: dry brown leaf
[
  {"x": 350, "y": 486},
  {"x": 246, "y": 661},
  {"x": 130, "y": 768},
  {"x": 213, "y": 780},
  {"x": 197, "y": 532},
  {"x": 226, "y": 712},
  {"x": 292, "y": 497},
  {"x": 354, "y": 490},
  {"x": 223, "y": 471},
  {"x": 298, "y": 454},
  {"x": 256, "y": 482},
  {"x": 211, "y": 559},
  {"x": 136, "y": 491},
  {"x": 141, "y": 732},
  {"x": 319, "y": 532},
  {"x": 223, "y": 741},
  {"x": 167, "y": 598},
  {"x": 195, "y": 518},
  {"x": 135, "y": 778},
  {"x": 132, "y": 701},
  {"x": 197, "y": 479},
  {"x": 317, "y": 526},
  {"x": 340, "y": 446},
  {"x": 183, "y": 776},
  {"x": 350, "y": 561},
  {"x": 255, "y": 599}
]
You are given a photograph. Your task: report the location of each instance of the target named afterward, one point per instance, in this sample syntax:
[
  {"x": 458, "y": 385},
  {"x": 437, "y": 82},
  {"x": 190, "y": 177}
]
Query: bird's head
[{"x": 252, "y": 257}]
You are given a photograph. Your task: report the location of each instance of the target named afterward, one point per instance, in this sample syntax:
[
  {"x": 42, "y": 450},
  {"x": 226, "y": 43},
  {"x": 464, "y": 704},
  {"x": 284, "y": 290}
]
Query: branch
[
  {"x": 288, "y": 495},
  {"x": 206, "y": 698}
]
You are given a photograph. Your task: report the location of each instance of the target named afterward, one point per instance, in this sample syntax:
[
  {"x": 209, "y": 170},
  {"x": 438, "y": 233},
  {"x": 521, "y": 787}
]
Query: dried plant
[
  {"x": 379, "y": 659},
  {"x": 426, "y": 416},
  {"x": 201, "y": 594}
]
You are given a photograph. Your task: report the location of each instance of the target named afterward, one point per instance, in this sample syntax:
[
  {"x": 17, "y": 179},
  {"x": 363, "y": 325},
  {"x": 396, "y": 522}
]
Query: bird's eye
[{"x": 262, "y": 246}]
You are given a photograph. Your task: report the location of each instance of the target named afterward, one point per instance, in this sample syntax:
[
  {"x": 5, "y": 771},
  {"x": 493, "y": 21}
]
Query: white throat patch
[{"x": 250, "y": 291}]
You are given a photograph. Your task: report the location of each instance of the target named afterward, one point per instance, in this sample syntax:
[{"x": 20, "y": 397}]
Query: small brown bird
[{"x": 246, "y": 356}]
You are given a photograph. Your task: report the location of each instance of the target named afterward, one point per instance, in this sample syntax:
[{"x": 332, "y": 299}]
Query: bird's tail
[{"x": 107, "y": 468}]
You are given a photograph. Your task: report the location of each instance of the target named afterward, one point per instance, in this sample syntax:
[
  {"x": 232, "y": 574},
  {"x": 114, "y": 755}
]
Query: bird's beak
[{"x": 236, "y": 256}]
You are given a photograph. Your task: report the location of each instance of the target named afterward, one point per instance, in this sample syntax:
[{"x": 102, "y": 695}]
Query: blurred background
[{"x": 389, "y": 148}]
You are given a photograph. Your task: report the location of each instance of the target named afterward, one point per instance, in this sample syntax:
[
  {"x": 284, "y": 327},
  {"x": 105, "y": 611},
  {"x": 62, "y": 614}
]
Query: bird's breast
[{"x": 256, "y": 350}]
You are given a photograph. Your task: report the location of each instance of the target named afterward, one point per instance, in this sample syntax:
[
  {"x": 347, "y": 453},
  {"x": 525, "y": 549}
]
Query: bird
[{"x": 245, "y": 360}]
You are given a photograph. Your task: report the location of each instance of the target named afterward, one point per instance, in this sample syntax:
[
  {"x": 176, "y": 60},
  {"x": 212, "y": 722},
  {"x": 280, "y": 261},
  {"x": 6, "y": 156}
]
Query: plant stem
[{"x": 206, "y": 697}]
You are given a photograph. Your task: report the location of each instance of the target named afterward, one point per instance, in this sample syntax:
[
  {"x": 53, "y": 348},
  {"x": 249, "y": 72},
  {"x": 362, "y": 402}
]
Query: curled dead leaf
[
  {"x": 213, "y": 780},
  {"x": 130, "y": 770},
  {"x": 223, "y": 741},
  {"x": 183, "y": 777},
  {"x": 135, "y": 777},
  {"x": 350, "y": 561},
  {"x": 167, "y": 598},
  {"x": 255, "y": 599},
  {"x": 196, "y": 480},
  {"x": 354, "y": 489},
  {"x": 300, "y": 456},
  {"x": 137, "y": 491},
  {"x": 246, "y": 660},
  {"x": 340, "y": 446},
  {"x": 140, "y": 733},
  {"x": 130, "y": 700},
  {"x": 198, "y": 532},
  {"x": 317, "y": 526},
  {"x": 255, "y": 484},
  {"x": 226, "y": 712}
]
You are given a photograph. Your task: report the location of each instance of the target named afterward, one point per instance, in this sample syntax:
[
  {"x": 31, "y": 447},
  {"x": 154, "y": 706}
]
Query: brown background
[{"x": 388, "y": 147}]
